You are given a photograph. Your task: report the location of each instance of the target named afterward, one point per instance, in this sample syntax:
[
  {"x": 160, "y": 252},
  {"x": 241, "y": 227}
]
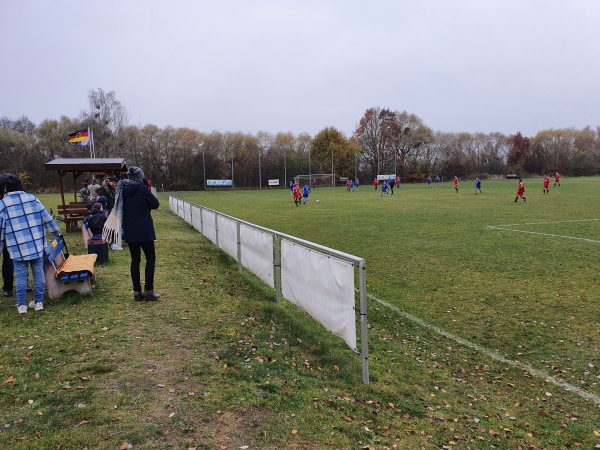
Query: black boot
[
  {"x": 137, "y": 296},
  {"x": 150, "y": 296}
]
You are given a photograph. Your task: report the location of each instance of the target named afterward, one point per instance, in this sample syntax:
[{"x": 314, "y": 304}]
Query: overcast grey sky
[{"x": 301, "y": 66}]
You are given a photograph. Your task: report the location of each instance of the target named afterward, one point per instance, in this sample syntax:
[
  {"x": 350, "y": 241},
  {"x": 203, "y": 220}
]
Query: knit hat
[
  {"x": 103, "y": 201},
  {"x": 135, "y": 173}
]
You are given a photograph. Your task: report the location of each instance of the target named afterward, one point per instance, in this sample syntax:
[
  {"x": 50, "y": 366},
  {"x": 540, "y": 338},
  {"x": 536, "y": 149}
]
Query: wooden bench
[
  {"x": 72, "y": 214},
  {"x": 64, "y": 272}
]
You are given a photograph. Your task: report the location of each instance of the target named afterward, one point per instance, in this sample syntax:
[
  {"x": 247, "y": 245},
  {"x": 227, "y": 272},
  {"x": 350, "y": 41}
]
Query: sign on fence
[{"x": 219, "y": 183}]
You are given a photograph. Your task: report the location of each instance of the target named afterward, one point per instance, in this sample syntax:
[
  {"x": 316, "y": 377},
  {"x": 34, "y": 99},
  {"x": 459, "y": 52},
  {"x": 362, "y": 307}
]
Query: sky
[{"x": 304, "y": 65}]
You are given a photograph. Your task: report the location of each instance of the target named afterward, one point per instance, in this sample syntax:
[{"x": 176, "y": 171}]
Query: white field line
[
  {"x": 492, "y": 354},
  {"x": 508, "y": 228}
]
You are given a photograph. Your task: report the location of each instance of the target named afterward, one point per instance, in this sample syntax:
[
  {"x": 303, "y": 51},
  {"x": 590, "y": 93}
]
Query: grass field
[{"x": 483, "y": 332}]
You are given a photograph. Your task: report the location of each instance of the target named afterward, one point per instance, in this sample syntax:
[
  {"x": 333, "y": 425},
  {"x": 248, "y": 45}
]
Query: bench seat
[{"x": 64, "y": 272}]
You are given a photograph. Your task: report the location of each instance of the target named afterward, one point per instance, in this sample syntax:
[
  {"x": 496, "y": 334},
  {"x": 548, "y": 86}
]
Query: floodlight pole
[
  {"x": 201, "y": 145},
  {"x": 309, "y": 172},
  {"x": 332, "y": 174},
  {"x": 259, "y": 170},
  {"x": 284, "y": 167}
]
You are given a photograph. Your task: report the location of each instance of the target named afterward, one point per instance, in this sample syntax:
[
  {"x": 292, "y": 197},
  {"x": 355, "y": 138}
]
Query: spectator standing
[
  {"x": 8, "y": 269},
  {"x": 95, "y": 221},
  {"x": 84, "y": 193},
  {"x": 23, "y": 225},
  {"x": 391, "y": 185},
  {"x": 108, "y": 190},
  {"x": 93, "y": 189},
  {"x": 133, "y": 204}
]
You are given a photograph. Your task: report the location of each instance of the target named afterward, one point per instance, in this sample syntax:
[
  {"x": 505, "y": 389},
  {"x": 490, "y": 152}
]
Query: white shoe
[
  {"x": 22, "y": 309},
  {"x": 37, "y": 306},
  {"x": 115, "y": 247}
]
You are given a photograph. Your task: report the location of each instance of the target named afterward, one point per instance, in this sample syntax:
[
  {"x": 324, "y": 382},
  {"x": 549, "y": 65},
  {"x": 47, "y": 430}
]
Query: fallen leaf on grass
[
  {"x": 84, "y": 422},
  {"x": 294, "y": 432},
  {"x": 597, "y": 433},
  {"x": 10, "y": 379}
]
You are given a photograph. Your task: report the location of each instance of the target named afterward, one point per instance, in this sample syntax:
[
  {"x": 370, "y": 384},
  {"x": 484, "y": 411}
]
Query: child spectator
[{"x": 95, "y": 221}]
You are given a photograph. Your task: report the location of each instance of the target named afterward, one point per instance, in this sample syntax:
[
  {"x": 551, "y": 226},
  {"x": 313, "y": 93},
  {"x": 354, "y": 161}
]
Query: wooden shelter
[{"x": 96, "y": 167}]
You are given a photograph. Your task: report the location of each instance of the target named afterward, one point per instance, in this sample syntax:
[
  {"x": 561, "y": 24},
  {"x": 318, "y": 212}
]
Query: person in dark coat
[
  {"x": 8, "y": 270},
  {"x": 95, "y": 221},
  {"x": 138, "y": 230}
]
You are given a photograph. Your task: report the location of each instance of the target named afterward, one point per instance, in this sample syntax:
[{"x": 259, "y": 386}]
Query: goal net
[{"x": 318, "y": 179}]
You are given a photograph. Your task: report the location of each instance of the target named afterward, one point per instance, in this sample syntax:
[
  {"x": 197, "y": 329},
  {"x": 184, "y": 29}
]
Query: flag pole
[{"x": 91, "y": 143}]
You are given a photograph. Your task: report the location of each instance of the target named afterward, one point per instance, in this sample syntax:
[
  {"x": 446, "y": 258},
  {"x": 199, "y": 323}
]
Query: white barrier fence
[{"x": 318, "y": 279}]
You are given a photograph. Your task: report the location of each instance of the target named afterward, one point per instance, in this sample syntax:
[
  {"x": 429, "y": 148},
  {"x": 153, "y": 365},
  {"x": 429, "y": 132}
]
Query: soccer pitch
[{"x": 517, "y": 282}]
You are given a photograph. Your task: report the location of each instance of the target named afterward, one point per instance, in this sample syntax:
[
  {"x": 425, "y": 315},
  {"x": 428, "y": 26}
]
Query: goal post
[{"x": 315, "y": 179}]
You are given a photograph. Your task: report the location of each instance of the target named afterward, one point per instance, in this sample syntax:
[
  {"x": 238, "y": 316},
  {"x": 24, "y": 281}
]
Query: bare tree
[{"x": 106, "y": 117}]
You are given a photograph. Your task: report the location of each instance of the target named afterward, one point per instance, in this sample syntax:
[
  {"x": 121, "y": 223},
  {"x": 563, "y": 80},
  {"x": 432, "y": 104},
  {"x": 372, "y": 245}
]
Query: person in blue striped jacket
[{"x": 23, "y": 225}]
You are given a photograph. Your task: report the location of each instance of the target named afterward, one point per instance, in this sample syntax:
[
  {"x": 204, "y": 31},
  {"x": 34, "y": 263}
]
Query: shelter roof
[{"x": 108, "y": 165}]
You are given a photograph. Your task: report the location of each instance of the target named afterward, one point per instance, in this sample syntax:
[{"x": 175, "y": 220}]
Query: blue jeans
[{"x": 39, "y": 282}]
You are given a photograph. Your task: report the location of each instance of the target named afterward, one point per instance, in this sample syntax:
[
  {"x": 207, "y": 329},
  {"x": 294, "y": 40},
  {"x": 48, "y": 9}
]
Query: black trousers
[
  {"x": 135, "y": 249},
  {"x": 8, "y": 270}
]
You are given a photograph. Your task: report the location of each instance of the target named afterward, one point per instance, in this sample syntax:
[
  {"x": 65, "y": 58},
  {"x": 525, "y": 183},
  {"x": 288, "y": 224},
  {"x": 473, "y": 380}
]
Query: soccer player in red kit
[
  {"x": 455, "y": 183},
  {"x": 557, "y": 179},
  {"x": 546, "y": 184},
  {"x": 520, "y": 191}
]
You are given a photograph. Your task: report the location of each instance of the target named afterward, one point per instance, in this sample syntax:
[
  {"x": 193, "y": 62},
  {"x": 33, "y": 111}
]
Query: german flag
[{"x": 79, "y": 136}]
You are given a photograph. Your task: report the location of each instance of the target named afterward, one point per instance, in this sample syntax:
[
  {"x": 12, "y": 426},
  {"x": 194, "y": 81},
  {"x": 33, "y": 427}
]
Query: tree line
[{"x": 384, "y": 142}]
